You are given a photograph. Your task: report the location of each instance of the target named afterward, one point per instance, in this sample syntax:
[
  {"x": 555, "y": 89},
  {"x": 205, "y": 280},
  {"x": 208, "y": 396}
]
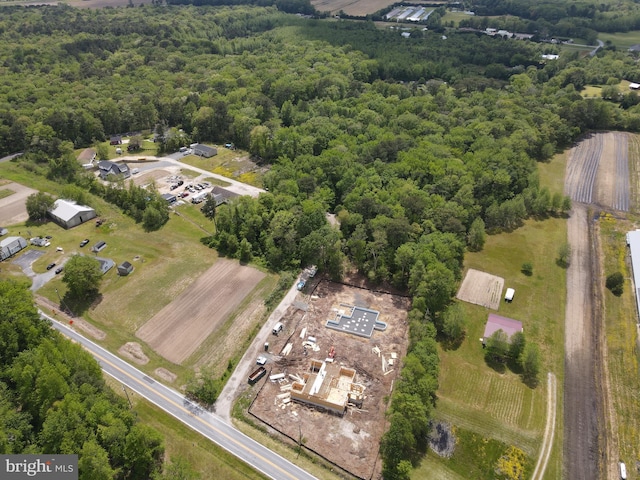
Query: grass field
[
  {"x": 621, "y": 40},
  {"x": 228, "y": 163},
  {"x": 493, "y": 409},
  {"x": 621, "y": 319}
]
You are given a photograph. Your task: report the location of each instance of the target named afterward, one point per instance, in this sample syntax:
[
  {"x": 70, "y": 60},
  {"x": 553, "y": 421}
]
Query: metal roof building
[
  {"x": 633, "y": 240},
  {"x": 69, "y": 214},
  {"x": 10, "y": 246}
]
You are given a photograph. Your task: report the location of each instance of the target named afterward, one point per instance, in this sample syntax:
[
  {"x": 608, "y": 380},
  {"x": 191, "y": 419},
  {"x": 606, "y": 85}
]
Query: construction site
[{"x": 332, "y": 366}]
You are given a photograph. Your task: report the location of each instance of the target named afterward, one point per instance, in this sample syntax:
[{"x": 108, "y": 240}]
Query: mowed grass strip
[
  {"x": 620, "y": 319},
  {"x": 6, "y": 192},
  {"x": 621, "y": 40},
  {"x": 498, "y": 405}
]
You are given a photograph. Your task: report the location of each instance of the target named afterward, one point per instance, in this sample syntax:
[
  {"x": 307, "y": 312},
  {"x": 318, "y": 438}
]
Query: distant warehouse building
[
  {"x": 69, "y": 214},
  {"x": 633, "y": 240},
  {"x": 10, "y": 246},
  {"x": 204, "y": 150}
]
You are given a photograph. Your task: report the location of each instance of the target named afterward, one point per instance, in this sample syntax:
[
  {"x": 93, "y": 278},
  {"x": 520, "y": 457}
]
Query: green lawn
[
  {"x": 6, "y": 192},
  {"x": 228, "y": 163},
  {"x": 620, "y": 321},
  {"x": 497, "y": 408},
  {"x": 621, "y": 40}
]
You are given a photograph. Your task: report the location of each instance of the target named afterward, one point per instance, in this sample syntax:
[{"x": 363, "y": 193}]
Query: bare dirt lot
[
  {"x": 598, "y": 171},
  {"x": 597, "y": 175},
  {"x": 177, "y": 330},
  {"x": 481, "y": 288},
  {"x": 12, "y": 208},
  {"x": 350, "y": 442}
]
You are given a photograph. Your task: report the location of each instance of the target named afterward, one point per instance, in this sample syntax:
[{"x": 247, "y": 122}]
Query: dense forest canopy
[
  {"x": 416, "y": 145},
  {"x": 53, "y": 399}
]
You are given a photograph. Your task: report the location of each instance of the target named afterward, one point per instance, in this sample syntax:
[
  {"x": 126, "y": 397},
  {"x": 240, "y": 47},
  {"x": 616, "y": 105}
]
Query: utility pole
[{"x": 127, "y": 394}]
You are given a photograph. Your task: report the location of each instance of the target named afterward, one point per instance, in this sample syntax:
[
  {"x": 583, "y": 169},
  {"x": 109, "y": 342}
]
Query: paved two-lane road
[{"x": 202, "y": 421}]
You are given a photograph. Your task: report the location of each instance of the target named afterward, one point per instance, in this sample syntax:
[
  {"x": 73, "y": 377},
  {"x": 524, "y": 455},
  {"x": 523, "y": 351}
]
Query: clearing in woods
[
  {"x": 177, "y": 330},
  {"x": 13, "y": 207},
  {"x": 358, "y": 8},
  {"x": 481, "y": 288}
]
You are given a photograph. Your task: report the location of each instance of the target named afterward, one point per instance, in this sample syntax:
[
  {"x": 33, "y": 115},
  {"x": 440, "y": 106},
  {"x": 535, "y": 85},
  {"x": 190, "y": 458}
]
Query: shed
[
  {"x": 125, "y": 268},
  {"x": 204, "y": 150},
  {"x": 10, "y": 246},
  {"x": 169, "y": 197},
  {"x": 3, "y": 231},
  {"x": 507, "y": 325},
  {"x": 115, "y": 140},
  {"x": 508, "y": 296},
  {"x": 69, "y": 214},
  {"x": 106, "y": 264},
  {"x": 634, "y": 86}
]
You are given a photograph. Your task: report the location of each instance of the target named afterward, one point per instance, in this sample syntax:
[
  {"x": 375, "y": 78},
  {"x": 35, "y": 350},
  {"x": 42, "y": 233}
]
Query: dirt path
[
  {"x": 549, "y": 429},
  {"x": 581, "y": 402},
  {"x": 239, "y": 377}
]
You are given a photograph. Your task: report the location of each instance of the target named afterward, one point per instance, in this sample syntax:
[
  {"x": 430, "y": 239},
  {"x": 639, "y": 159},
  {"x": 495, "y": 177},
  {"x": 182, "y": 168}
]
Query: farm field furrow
[{"x": 179, "y": 328}]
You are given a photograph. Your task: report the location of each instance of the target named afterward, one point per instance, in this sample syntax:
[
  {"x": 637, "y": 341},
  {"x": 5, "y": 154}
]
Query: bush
[
  {"x": 527, "y": 269},
  {"x": 615, "y": 283}
]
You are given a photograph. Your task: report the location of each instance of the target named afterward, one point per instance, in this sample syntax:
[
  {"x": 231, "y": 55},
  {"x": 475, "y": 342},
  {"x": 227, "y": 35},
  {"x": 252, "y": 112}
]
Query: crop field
[
  {"x": 358, "y": 8},
  {"x": 177, "y": 330},
  {"x": 481, "y": 288},
  {"x": 598, "y": 171}
]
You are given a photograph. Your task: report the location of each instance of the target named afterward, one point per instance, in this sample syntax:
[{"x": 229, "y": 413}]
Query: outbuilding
[
  {"x": 3, "y": 231},
  {"x": 204, "y": 150},
  {"x": 107, "y": 168},
  {"x": 507, "y": 325},
  {"x": 508, "y": 296},
  {"x": 10, "y": 246},
  {"x": 69, "y": 214},
  {"x": 169, "y": 197},
  {"x": 125, "y": 268}
]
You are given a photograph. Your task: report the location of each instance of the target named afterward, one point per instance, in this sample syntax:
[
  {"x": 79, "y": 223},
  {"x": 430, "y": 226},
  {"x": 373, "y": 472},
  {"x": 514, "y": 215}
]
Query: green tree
[
  {"x": 144, "y": 450},
  {"x": 454, "y": 323},
  {"x": 527, "y": 268},
  {"x": 83, "y": 276},
  {"x": 615, "y": 283},
  {"x": 517, "y": 344},
  {"x": 102, "y": 151},
  {"x": 209, "y": 209},
  {"x": 530, "y": 362},
  {"x": 476, "y": 236},
  {"x": 93, "y": 462},
  {"x": 38, "y": 204},
  {"x": 497, "y": 347},
  {"x": 564, "y": 255},
  {"x": 244, "y": 251},
  {"x": 154, "y": 217}
]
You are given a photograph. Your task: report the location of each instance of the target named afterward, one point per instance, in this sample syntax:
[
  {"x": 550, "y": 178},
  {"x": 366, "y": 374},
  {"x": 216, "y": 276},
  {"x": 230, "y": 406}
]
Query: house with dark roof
[
  {"x": 204, "y": 150},
  {"x": 222, "y": 195},
  {"x": 69, "y": 214},
  {"x": 169, "y": 197},
  {"x": 496, "y": 322},
  {"x": 106, "y": 168},
  {"x": 115, "y": 140}
]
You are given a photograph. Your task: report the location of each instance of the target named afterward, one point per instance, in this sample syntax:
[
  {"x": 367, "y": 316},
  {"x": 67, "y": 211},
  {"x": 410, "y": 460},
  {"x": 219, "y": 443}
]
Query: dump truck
[{"x": 257, "y": 374}]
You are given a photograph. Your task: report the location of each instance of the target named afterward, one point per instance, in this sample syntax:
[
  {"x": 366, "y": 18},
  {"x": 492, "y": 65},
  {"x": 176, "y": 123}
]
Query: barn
[
  {"x": 204, "y": 150},
  {"x": 10, "y": 246},
  {"x": 507, "y": 325},
  {"x": 69, "y": 214}
]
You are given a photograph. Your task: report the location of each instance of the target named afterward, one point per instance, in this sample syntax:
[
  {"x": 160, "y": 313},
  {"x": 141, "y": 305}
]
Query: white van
[
  {"x": 623, "y": 471},
  {"x": 277, "y": 328}
]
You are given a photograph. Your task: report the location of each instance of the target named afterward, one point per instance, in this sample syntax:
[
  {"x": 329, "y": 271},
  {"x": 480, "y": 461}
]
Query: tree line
[{"x": 53, "y": 399}]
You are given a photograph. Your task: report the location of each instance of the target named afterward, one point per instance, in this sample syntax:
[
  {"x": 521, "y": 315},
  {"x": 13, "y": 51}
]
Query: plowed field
[{"x": 177, "y": 330}]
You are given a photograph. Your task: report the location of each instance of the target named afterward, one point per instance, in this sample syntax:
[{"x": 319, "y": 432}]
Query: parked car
[
  {"x": 261, "y": 360},
  {"x": 48, "y": 237},
  {"x": 50, "y": 266},
  {"x": 59, "y": 270},
  {"x": 180, "y": 183},
  {"x": 84, "y": 242}
]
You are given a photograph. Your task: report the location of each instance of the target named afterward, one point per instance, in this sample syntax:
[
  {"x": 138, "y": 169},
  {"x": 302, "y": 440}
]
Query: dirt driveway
[{"x": 13, "y": 208}]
